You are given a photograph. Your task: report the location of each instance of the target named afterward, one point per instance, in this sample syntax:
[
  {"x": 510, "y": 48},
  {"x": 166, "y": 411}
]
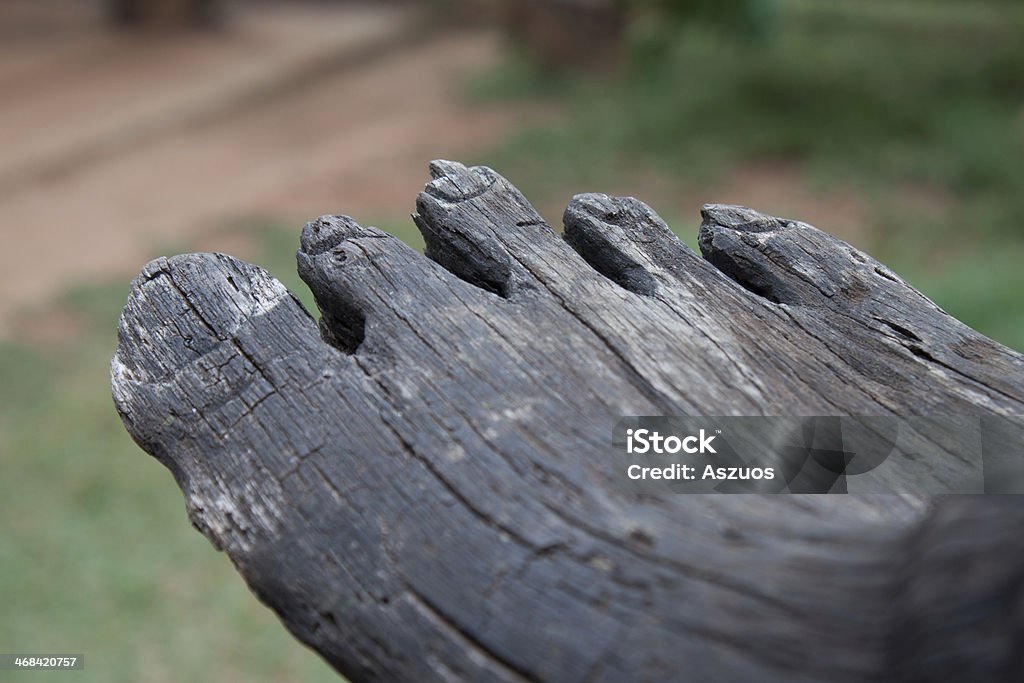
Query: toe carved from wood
[{"x": 408, "y": 480}]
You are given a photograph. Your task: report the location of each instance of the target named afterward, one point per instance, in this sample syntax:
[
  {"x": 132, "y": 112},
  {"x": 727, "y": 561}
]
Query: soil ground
[
  {"x": 117, "y": 144},
  {"x": 123, "y": 145}
]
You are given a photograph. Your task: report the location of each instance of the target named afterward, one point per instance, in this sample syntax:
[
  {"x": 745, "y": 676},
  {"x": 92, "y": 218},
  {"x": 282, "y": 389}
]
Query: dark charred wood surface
[{"x": 411, "y": 484}]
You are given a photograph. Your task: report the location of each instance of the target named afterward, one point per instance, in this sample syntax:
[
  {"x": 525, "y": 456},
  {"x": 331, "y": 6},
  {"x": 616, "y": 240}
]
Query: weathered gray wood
[{"x": 419, "y": 497}]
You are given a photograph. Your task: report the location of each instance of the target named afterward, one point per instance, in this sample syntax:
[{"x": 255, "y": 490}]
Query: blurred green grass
[
  {"x": 888, "y": 100},
  {"x": 98, "y": 556}
]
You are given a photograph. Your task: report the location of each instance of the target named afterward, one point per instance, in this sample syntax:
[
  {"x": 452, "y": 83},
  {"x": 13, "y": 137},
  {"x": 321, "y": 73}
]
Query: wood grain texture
[{"x": 410, "y": 484}]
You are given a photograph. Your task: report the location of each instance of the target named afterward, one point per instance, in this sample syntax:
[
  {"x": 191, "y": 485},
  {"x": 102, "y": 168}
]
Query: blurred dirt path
[{"x": 115, "y": 144}]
